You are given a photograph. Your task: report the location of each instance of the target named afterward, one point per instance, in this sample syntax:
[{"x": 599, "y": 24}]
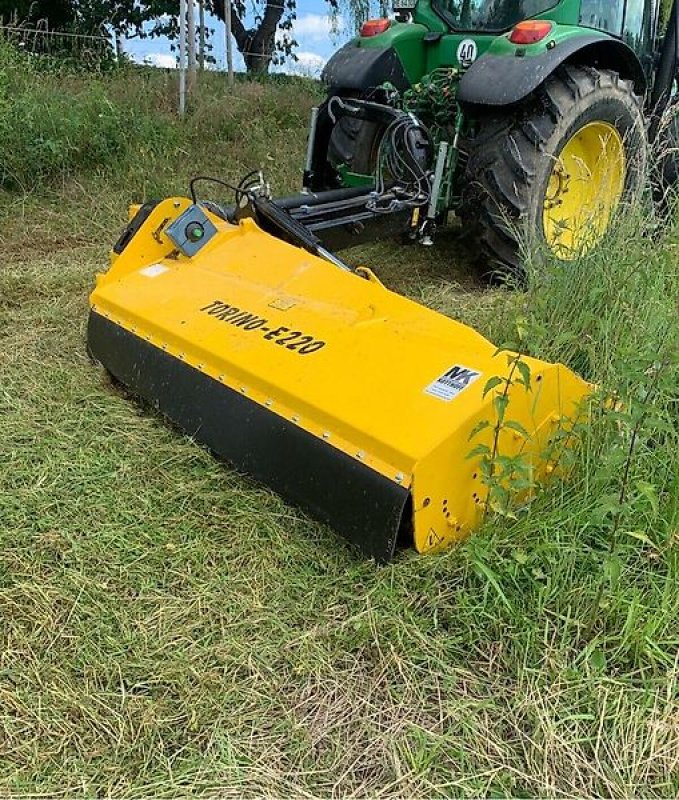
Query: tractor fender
[
  {"x": 361, "y": 68},
  {"x": 503, "y": 80}
]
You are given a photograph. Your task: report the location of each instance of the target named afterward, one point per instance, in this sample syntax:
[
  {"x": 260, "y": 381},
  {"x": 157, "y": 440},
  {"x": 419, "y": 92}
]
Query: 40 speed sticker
[
  {"x": 452, "y": 382},
  {"x": 297, "y": 341},
  {"x": 467, "y": 52}
]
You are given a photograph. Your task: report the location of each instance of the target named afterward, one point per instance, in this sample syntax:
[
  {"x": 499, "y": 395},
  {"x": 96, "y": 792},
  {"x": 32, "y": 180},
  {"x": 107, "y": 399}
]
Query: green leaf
[
  {"x": 502, "y": 509},
  {"x": 660, "y": 425},
  {"x": 500, "y": 494},
  {"x": 521, "y": 483},
  {"x": 480, "y": 426},
  {"x": 597, "y": 660},
  {"x": 513, "y": 425},
  {"x": 608, "y": 505},
  {"x": 613, "y": 569},
  {"x": 524, "y": 371},
  {"x": 487, "y": 469},
  {"x": 640, "y": 536},
  {"x": 501, "y": 402},
  {"x": 479, "y": 450},
  {"x": 491, "y": 383},
  {"x": 649, "y": 492}
]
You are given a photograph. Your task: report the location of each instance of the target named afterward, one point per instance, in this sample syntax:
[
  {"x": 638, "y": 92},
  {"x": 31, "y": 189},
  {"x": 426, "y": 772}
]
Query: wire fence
[
  {"x": 38, "y": 39},
  {"x": 95, "y": 52}
]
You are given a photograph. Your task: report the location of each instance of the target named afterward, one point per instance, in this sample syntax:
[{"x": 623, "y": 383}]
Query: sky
[{"x": 317, "y": 38}]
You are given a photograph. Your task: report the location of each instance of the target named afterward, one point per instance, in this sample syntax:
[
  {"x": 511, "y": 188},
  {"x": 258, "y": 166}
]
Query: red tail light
[
  {"x": 530, "y": 31},
  {"x": 374, "y": 26}
]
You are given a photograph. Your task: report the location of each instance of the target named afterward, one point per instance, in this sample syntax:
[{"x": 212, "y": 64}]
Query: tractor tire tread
[{"x": 503, "y": 159}]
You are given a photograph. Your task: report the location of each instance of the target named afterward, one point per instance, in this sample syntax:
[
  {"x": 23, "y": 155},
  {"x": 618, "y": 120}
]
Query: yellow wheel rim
[{"x": 584, "y": 188}]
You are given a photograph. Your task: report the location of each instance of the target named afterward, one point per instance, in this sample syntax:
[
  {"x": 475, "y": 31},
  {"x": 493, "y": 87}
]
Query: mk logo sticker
[{"x": 452, "y": 382}]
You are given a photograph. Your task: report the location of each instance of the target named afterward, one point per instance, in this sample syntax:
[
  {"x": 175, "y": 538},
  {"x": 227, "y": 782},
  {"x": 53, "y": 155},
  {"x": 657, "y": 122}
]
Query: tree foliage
[
  {"x": 268, "y": 41},
  {"x": 89, "y": 16},
  {"x": 60, "y": 13}
]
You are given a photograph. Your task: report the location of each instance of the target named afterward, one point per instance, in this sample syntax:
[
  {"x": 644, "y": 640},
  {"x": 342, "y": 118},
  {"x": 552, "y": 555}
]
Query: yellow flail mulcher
[
  {"x": 383, "y": 418},
  {"x": 351, "y": 401}
]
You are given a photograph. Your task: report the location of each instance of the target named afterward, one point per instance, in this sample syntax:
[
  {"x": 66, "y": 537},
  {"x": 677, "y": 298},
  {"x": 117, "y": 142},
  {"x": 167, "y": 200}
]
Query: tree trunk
[{"x": 257, "y": 45}]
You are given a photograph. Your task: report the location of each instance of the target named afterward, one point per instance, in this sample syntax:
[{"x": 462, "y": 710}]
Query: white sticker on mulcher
[
  {"x": 154, "y": 270},
  {"x": 452, "y": 382}
]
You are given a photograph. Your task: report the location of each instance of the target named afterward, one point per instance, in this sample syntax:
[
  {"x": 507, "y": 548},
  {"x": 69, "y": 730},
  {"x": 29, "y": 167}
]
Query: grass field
[{"x": 169, "y": 628}]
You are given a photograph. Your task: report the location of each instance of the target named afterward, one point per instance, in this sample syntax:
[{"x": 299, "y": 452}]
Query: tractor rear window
[
  {"x": 602, "y": 14},
  {"x": 489, "y": 15}
]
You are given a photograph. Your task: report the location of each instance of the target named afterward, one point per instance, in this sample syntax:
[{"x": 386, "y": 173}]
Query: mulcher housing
[{"x": 349, "y": 400}]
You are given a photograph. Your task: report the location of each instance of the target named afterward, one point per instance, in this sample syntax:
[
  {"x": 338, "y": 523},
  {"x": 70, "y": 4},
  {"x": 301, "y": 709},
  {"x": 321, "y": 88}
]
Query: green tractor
[{"x": 529, "y": 119}]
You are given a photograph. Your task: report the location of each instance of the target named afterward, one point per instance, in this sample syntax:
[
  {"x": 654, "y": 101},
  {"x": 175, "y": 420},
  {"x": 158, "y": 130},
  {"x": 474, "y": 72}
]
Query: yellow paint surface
[{"x": 364, "y": 391}]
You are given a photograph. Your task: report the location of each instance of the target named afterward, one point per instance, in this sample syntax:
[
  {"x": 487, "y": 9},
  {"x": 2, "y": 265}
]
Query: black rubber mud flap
[
  {"x": 362, "y": 68},
  {"x": 364, "y": 506},
  {"x": 504, "y": 80}
]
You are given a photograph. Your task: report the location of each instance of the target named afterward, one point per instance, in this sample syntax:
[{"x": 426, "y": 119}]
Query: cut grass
[{"x": 171, "y": 628}]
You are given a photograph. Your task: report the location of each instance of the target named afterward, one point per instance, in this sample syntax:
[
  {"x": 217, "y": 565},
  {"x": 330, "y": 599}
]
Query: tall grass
[
  {"x": 613, "y": 316},
  {"x": 56, "y": 125},
  {"x": 170, "y": 628},
  {"x": 49, "y": 130}
]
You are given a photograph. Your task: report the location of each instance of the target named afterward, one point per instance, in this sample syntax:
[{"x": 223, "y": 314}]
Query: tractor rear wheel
[
  {"x": 354, "y": 143},
  {"x": 551, "y": 173}
]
